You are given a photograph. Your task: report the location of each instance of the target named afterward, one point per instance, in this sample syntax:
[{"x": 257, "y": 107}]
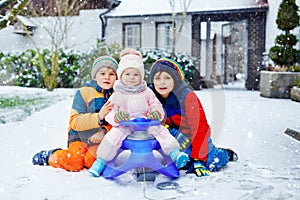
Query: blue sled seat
[{"x": 141, "y": 153}]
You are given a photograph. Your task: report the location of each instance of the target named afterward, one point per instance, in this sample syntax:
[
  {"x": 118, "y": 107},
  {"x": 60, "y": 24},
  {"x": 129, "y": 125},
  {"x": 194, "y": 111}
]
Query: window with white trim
[
  {"x": 132, "y": 35},
  {"x": 164, "y": 35}
]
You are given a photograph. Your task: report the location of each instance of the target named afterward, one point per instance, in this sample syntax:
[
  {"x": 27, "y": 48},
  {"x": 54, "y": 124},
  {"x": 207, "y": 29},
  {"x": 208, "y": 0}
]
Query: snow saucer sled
[{"x": 141, "y": 146}]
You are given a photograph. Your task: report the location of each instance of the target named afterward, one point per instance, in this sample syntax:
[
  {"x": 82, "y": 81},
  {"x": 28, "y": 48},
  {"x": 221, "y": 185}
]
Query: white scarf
[{"x": 120, "y": 87}]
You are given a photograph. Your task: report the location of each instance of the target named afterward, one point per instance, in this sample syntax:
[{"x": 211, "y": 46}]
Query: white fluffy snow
[
  {"x": 268, "y": 165},
  {"x": 136, "y": 8}
]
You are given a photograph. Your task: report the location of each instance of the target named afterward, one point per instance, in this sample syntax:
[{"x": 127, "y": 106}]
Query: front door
[{"x": 234, "y": 52}]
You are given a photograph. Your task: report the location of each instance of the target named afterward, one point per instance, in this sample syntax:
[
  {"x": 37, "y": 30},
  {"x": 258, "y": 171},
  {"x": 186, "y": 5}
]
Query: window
[
  {"x": 164, "y": 35},
  {"x": 132, "y": 35}
]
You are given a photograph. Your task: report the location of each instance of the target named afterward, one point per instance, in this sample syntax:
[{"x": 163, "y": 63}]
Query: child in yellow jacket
[{"x": 87, "y": 125}]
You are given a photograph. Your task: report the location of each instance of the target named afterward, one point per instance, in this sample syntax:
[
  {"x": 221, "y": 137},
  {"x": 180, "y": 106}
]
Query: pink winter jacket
[{"x": 136, "y": 105}]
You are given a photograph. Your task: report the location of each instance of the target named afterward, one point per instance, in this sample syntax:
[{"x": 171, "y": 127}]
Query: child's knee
[
  {"x": 217, "y": 159},
  {"x": 155, "y": 130},
  {"x": 78, "y": 147},
  {"x": 71, "y": 159},
  {"x": 90, "y": 156},
  {"x": 89, "y": 159}
]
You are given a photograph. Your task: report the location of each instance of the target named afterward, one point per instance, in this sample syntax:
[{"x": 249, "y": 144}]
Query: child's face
[
  {"x": 163, "y": 83},
  {"x": 105, "y": 78},
  {"x": 131, "y": 77}
]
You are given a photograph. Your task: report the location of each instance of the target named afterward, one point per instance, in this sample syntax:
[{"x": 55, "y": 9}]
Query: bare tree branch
[
  {"x": 10, "y": 17},
  {"x": 184, "y": 4}
]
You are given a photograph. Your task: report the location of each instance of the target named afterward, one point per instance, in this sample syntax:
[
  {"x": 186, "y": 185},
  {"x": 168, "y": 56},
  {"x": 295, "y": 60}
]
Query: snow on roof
[{"x": 155, "y": 7}]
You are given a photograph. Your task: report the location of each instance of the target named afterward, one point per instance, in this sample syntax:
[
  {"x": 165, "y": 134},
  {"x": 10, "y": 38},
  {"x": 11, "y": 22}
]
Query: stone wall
[{"x": 277, "y": 84}]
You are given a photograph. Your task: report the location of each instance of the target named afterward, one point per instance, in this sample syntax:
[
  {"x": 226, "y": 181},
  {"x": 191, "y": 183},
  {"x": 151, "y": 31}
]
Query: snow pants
[
  {"x": 113, "y": 140},
  {"x": 216, "y": 158},
  {"x": 78, "y": 156}
]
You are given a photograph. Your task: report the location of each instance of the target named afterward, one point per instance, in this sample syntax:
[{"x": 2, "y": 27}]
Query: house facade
[{"x": 227, "y": 38}]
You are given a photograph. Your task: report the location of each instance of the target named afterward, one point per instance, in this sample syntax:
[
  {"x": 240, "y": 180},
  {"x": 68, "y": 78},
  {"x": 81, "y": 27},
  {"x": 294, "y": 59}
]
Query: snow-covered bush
[
  {"x": 192, "y": 75},
  {"x": 23, "y": 69}
]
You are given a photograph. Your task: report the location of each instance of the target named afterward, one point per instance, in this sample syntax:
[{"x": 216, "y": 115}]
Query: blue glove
[
  {"x": 198, "y": 167},
  {"x": 183, "y": 141}
]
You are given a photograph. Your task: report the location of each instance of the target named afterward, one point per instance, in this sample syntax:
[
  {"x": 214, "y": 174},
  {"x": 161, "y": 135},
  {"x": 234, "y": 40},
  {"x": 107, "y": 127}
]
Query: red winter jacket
[{"x": 184, "y": 111}]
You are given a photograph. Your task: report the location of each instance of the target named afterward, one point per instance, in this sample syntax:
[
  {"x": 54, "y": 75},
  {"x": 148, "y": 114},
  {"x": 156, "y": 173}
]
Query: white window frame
[
  {"x": 164, "y": 35},
  {"x": 132, "y": 35}
]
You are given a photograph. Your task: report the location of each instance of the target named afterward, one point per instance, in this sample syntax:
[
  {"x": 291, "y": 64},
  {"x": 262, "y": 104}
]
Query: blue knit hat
[{"x": 169, "y": 66}]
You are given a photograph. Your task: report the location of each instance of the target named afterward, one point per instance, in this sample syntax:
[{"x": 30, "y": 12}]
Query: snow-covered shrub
[
  {"x": 6, "y": 72},
  {"x": 23, "y": 69},
  {"x": 192, "y": 75},
  {"x": 69, "y": 65}
]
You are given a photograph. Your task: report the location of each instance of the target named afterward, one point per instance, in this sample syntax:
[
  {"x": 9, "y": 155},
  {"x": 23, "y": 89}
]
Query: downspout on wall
[{"x": 112, "y": 4}]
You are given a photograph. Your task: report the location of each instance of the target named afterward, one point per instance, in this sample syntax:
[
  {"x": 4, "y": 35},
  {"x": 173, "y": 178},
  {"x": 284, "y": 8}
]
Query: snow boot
[
  {"x": 97, "y": 167},
  {"x": 232, "y": 155},
  {"x": 179, "y": 158},
  {"x": 42, "y": 157}
]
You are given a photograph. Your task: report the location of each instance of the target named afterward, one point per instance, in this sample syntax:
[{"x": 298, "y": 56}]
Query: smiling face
[
  {"x": 131, "y": 77},
  {"x": 105, "y": 78},
  {"x": 163, "y": 83}
]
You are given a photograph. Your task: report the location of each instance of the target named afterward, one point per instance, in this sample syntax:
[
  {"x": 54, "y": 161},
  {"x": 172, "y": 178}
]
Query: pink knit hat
[{"x": 130, "y": 58}]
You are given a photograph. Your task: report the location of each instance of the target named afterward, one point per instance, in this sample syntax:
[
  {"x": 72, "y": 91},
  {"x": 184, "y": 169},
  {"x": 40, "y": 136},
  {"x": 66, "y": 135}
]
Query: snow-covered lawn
[
  {"x": 268, "y": 165},
  {"x": 17, "y": 103}
]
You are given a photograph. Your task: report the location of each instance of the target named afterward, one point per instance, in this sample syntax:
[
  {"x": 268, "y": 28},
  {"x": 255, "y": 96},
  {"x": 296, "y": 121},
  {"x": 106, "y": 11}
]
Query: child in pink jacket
[{"x": 131, "y": 99}]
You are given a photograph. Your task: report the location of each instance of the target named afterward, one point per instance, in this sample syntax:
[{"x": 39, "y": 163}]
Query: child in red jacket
[
  {"x": 186, "y": 118},
  {"x": 87, "y": 125}
]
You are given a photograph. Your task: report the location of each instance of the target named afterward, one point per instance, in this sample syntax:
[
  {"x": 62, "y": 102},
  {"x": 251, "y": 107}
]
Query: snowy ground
[{"x": 268, "y": 165}]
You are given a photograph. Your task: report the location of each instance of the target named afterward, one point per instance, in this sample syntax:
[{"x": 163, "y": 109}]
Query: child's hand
[
  {"x": 154, "y": 115},
  {"x": 121, "y": 116},
  {"x": 106, "y": 108},
  {"x": 97, "y": 137}
]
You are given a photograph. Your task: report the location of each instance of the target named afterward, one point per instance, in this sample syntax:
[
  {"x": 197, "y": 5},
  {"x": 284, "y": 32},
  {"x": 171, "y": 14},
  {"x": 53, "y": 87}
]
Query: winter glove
[
  {"x": 154, "y": 115},
  {"x": 183, "y": 141},
  {"x": 121, "y": 116},
  {"x": 198, "y": 167}
]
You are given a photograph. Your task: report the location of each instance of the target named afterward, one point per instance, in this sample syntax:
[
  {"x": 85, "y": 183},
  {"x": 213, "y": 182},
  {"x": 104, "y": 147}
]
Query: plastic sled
[{"x": 141, "y": 146}]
